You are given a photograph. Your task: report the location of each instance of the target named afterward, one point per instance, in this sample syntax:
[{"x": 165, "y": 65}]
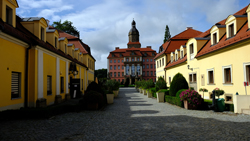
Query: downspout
[{"x": 26, "y": 77}]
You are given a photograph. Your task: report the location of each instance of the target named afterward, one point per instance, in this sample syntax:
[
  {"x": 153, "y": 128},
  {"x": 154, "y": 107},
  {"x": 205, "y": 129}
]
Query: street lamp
[{"x": 72, "y": 69}]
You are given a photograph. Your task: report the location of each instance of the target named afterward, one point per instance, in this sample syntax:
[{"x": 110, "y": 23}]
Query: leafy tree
[
  {"x": 167, "y": 34},
  {"x": 101, "y": 73},
  {"x": 67, "y": 27},
  {"x": 179, "y": 82}
]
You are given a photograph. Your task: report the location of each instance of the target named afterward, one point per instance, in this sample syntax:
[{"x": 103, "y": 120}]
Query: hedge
[
  {"x": 179, "y": 92},
  {"x": 153, "y": 91},
  {"x": 121, "y": 86},
  {"x": 174, "y": 100}
]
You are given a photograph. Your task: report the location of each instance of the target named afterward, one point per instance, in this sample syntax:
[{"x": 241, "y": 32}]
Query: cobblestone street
[{"x": 133, "y": 116}]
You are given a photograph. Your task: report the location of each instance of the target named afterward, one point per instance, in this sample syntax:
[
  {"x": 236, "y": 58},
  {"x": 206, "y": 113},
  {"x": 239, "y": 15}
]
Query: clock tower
[{"x": 133, "y": 37}]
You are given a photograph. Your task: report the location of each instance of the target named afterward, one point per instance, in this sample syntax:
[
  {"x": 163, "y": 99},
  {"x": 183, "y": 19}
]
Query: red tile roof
[{"x": 186, "y": 34}]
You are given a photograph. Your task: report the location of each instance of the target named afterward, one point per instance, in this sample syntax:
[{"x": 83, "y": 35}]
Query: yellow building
[
  {"x": 38, "y": 67},
  {"x": 218, "y": 58}
]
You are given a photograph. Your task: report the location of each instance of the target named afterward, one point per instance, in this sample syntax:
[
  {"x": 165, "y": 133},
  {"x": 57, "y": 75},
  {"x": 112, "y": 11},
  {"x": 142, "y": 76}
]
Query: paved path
[{"x": 133, "y": 116}]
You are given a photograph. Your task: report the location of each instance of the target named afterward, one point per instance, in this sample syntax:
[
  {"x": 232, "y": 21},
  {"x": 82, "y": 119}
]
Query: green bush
[
  {"x": 174, "y": 100},
  {"x": 93, "y": 86},
  {"x": 153, "y": 91},
  {"x": 131, "y": 85},
  {"x": 92, "y": 97},
  {"x": 166, "y": 91},
  {"x": 229, "y": 107},
  {"x": 179, "y": 92},
  {"x": 179, "y": 82},
  {"x": 121, "y": 86},
  {"x": 160, "y": 84}
]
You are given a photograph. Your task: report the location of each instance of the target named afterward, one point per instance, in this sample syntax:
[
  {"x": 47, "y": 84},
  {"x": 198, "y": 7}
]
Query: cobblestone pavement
[{"x": 132, "y": 116}]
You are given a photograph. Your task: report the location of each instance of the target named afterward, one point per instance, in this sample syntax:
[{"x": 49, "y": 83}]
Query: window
[
  {"x": 138, "y": 59},
  {"x": 110, "y": 74},
  {"x": 120, "y": 55},
  {"x": 49, "y": 85},
  {"x": 151, "y": 66},
  {"x": 118, "y": 67},
  {"x": 122, "y": 67},
  {"x": 118, "y": 61},
  {"x": 114, "y": 74},
  {"x": 122, "y": 61},
  {"x": 147, "y": 73},
  {"x": 133, "y": 59},
  {"x": 151, "y": 60},
  {"x": 169, "y": 79},
  {"x": 122, "y": 73},
  {"x": 176, "y": 57},
  {"x": 110, "y": 67},
  {"x": 56, "y": 42},
  {"x": 15, "y": 84},
  {"x": 171, "y": 59},
  {"x": 181, "y": 54},
  {"x": 157, "y": 64},
  {"x": 143, "y": 73},
  {"x": 113, "y": 55},
  {"x": 227, "y": 73},
  {"x": 114, "y": 61},
  {"x": 118, "y": 74},
  {"x": 145, "y": 54},
  {"x": 190, "y": 77},
  {"x": 118, "y": 80},
  {"x": 151, "y": 73},
  {"x": 143, "y": 60},
  {"x": 194, "y": 77},
  {"x": 147, "y": 66},
  {"x": 214, "y": 38},
  {"x": 154, "y": 65},
  {"x": 147, "y": 60},
  {"x": 143, "y": 66},
  {"x": 210, "y": 77},
  {"x": 8, "y": 15},
  {"x": 191, "y": 48},
  {"x": 162, "y": 61},
  {"x": 114, "y": 67},
  {"x": 65, "y": 48},
  {"x": 127, "y": 59},
  {"x": 155, "y": 73},
  {"x": 62, "y": 84},
  {"x": 110, "y": 61},
  {"x": 231, "y": 30},
  {"x": 247, "y": 72},
  {"x": 42, "y": 33}
]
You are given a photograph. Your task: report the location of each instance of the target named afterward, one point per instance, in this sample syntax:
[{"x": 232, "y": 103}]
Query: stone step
[{"x": 245, "y": 111}]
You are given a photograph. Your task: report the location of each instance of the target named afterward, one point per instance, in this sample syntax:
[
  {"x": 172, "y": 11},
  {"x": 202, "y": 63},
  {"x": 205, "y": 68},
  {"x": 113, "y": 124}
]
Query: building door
[{"x": 75, "y": 88}]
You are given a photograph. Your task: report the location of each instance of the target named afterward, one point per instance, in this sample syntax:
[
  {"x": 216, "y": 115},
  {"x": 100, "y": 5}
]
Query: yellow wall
[
  {"x": 63, "y": 74},
  {"x": 3, "y": 4},
  {"x": 49, "y": 68},
  {"x": 160, "y": 70},
  {"x": 13, "y": 60}
]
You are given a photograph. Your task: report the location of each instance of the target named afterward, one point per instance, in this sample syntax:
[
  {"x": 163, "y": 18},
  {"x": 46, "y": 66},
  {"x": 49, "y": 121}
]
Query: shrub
[
  {"x": 160, "y": 84},
  {"x": 148, "y": 84},
  {"x": 121, "y": 86},
  {"x": 174, "y": 100},
  {"x": 131, "y": 85},
  {"x": 92, "y": 97},
  {"x": 179, "y": 92},
  {"x": 153, "y": 91},
  {"x": 142, "y": 84},
  {"x": 109, "y": 86},
  {"x": 116, "y": 85},
  {"x": 178, "y": 83},
  {"x": 218, "y": 92},
  {"x": 95, "y": 87},
  {"x": 193, "y": 97},
  {"x": 166, "y": 91}
]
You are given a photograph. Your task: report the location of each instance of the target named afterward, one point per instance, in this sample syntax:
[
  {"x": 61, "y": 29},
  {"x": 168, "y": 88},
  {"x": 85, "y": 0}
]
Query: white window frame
[
  {"x": 208, "y": 70},
  {"x": 245, "y": 71},
  {"x": 223, "y": 74}
]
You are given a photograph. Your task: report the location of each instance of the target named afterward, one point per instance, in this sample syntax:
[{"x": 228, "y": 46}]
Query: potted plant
[
  {"x": 220, "y": 102},
  {"x": 203, "y": 90},
  {"x": 191, "y": 99},
  {"x": 160, "y": 84},
  {"x": 116, "y": 88},
  {"x": 142, "y": 83},
  {"x": 149, "y": 84},
  {"x": 110, "y": 95}
]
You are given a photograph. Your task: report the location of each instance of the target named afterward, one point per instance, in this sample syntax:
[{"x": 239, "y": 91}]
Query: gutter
[{"x": 26, "y": 77}]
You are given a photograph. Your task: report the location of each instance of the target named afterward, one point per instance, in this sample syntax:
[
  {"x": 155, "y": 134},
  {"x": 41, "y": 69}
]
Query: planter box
[
  {"x": 149, "y": 94},
  {"x": 140, "y": 90},
  {"x": 58, "y": 99},
  {"x": 144, "y": 91},
  {"x": 160, "y": 96},
  {"x": 67, "y": 96},
  {"x": 41, "y": 102},
  {"x": 110, "y": 98},
  {"x": 116, "y": 93},
  {"x": 189, "y": 107}
]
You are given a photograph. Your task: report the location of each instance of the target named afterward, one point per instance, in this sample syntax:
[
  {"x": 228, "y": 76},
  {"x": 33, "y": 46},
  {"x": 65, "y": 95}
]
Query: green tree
[
  {"x": 101, "y": 73},
  {"x": 66, "y": 26},
  {"x": 167, "y": 34},
  {"x": 179, "y": 82}
]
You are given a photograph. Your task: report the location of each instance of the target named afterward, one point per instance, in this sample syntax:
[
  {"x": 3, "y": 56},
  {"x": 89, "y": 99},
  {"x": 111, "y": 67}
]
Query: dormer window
[
  {"x": 55, "y": 42},
  {"x": 191, "y": 48},
  {"x": 171, "y": 59},
  {"x": 120, "y": 55},
  {"x": 42, "y": 33},
  {"x": 181, "y": 54},
  {"x": 176, "y": 57},
  {"x": 153, "y": 54},
  {"x": 214, "y": 38},
  {"x": 132, "y": 53},
  {"x": 113, "y": 55},
  {"x": 73, "y": 55},
  {"x": 145, "y": 54},
  {"x": 9, "y": 13},
  {"x": 231, "y": 30},
  {"x": 65, "y": 49}
]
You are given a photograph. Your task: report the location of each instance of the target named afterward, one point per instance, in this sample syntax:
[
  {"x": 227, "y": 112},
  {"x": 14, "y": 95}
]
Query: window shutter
[{"x": 15, "y": 85}]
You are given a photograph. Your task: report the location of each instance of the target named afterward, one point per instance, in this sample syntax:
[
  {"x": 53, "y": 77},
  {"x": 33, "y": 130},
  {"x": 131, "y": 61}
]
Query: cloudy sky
[{"x": 104, "y": 24}]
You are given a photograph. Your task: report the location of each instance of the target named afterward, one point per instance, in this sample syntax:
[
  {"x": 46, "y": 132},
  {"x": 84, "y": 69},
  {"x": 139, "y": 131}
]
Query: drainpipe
[{"x": 26, "y": 77}]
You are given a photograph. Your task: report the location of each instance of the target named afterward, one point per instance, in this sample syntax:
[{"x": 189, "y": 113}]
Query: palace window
[
  {"x": 49, "y": 85},
  {"x": 118, "y": 74},
  {"x": 122, "y": 73},
  {"x": 122, "y": 67},
  {"x": 138, "y": 59},
  {"x": 8, "y": 15},
  {"x": 110, "y": 67},
  {"x": 114, "y": 74},
  {"x": 176, "y": 57},
  {"x": 133, "y": 59},
  {"x": 181, "y": 54},
  {"x": 147, "y": 66},
  {"x": 114, "y": 67},
  {"x": 143, "y": 60},
  {"x": 62, "y": 84},
  {"x": 247, "y": 72},
  {"x": 114, "y": 61},
  {"x": 147, "y": 60},
  {"x": 151, "y": 66},
  {"x": 151, "y": 73},
  {"x": 118, "y": 67},
  {"x": 192, "y": 78},
  {"x": 151, "y": 60},
  {"x": 143, "y": 66},
  {"x": 127, "y": 59},
  {"x": 118, "y": 61},
  {"x": 15, "y": 85},
  {"x": 147, "y": 73}
]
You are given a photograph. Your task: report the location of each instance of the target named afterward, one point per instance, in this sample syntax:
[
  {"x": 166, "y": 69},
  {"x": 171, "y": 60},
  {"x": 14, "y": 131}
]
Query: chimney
[
  {"x": 189, "y": 28},
  {"x": 116, "y": 48},
  {"x": 47, "y": 24},
  {"x": 148, "y": 46}
]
